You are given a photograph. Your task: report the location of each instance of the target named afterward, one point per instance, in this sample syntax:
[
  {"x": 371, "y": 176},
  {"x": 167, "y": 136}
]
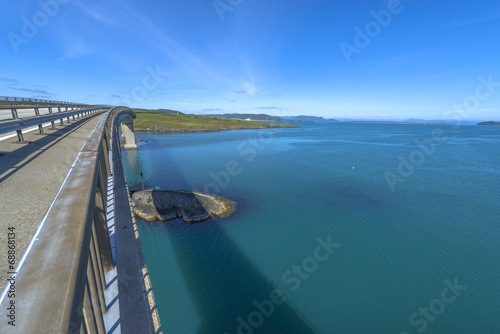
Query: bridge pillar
[{"x": 128, "y": 133}]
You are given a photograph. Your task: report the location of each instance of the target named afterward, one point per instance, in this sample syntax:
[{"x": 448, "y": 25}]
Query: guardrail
[
  {"x": 31, "y": 101},
  {"x": 18, "y": 124},
  {"x": 60, "y": 279}
]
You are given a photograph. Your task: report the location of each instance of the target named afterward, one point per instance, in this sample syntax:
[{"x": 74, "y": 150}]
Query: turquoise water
[{"x": 328, "y": 236}]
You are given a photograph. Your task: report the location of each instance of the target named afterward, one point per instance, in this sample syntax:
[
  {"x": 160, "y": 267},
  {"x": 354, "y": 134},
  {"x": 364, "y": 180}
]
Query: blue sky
[{"x": 326, "y": 58}]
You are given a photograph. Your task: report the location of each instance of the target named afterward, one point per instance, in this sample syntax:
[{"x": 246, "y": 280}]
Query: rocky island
[{"x": 192, "y": 207}]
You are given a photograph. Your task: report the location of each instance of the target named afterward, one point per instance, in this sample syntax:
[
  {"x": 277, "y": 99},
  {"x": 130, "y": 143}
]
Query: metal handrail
[
  {"x": 18, "y": 124},
  {"x": 31, "y": 101}
]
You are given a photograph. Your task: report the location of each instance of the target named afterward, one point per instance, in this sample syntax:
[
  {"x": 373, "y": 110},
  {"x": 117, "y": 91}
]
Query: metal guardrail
[
  {"x": 31, "y": 101},
  {"x": 60, "y": 279},
  {"x": 18, "y": 124}
]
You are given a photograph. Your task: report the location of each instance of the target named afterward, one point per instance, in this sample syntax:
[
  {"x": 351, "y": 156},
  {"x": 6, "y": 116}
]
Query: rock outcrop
[{"x": 192, "y": 207}]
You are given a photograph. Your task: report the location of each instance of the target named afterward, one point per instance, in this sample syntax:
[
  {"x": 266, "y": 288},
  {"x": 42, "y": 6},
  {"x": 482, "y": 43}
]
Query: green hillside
[{"x": 149, "y": 120}]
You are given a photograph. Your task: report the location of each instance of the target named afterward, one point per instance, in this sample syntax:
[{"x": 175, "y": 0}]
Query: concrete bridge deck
[{"x": 30, "y": 177}]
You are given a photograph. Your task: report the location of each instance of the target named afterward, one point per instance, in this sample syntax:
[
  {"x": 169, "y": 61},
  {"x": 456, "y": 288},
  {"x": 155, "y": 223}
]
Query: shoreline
[
  {"x": 175, "y": 131},
  {"x": 151, "y": 121}
]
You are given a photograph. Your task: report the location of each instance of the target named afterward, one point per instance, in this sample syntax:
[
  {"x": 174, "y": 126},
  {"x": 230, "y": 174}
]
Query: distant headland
[
  {"x": 489, "y": 123},
  {"x": 172, "y": 121},
  {"x": 166, "y": 120}
]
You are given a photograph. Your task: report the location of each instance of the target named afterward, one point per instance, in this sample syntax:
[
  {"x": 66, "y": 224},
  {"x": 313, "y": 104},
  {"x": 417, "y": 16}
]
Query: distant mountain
[
  {"x": 165, "y": 111},
  {"x": 489, "y": 123},
  {"x": 397, "y": 122},
  {"x": 438, "y": 121},
  {"x": 251, "y": 117},
  {"x": 304, "y": 118},
  {"x": 410, "y": 121}
]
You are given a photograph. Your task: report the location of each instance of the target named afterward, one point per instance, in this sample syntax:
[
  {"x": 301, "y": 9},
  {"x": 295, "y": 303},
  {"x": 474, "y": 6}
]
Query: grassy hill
[
  {"x": 253, "y": 117},
  {"x": 305, "y": 118},
  {"x": 164, "y": 111},
  {"x": 150, "y": 120}
]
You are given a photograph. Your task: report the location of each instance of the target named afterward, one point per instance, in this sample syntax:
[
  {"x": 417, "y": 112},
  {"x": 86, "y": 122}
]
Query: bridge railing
[
  {"x": 55, "y": 113},
  {"x": 60, "y": 282},
  {"x": 32, "y": 101}
]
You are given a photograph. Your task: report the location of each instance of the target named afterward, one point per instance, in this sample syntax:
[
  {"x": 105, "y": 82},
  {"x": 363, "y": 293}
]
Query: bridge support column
[{"x": 128, "y": 134}]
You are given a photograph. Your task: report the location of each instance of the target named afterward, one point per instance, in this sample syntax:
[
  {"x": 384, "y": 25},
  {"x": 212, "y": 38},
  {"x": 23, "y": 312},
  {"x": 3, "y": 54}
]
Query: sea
[{"x": 338, "y": 228}]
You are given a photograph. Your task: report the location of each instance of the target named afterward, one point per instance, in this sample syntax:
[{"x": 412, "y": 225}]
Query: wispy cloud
[
  {"x": 405, "y": 59},
  {"x": 174, "y": 54},
  {"x": 212, "y": 110},
  {"x": 241, "y": 91},
  {"x": 457, "y": 23},
  {"x": 171, "y": 48},
  {"x": 271, "y": 108},
  {"x": 76, "y": 48},
  {"x": 95, "y": 14},
  {"x": 188, "y": 63},
  {"x": 8, "y": 80},
  {"x": 160, "y": 92},
  {"x": 480, "y": 110},
  {"x": 179, "y": 102},
  {"x": 250, "y": 88},
  {"x": 31, "y": 90}
]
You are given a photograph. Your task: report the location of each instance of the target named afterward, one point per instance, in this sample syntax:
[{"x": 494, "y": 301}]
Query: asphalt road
[
  {"x": 7, "y": 114},
  {"x": 30, "y": 177}
]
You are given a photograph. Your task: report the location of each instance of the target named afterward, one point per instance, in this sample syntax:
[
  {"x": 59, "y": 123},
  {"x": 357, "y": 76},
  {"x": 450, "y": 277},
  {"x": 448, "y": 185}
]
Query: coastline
[
  {"x": 150, "y": 121},
  {"x": 163, "y": 129}
]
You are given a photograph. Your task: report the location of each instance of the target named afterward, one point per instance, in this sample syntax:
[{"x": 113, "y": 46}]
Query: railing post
[
  {"x": 14, "y": 113},
  {"x": 106, "y": 149},
  {"x": 19, "y": 132},
  {"x": 100, "y": 220},
  {"x": 40, "y": 126},
  {"x": 88, "y": 314},
  {"x": 52, "y": 122},
  {"x": 96, "y": 294},
  {"x": 60, "y": 111},
  {"x": 68, "y": 116}
]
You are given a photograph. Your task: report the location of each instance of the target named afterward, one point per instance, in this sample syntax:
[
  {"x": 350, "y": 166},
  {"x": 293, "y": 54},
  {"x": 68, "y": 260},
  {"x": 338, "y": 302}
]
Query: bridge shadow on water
[
  {"x": 223, "y": 281},
  {"x": 224, "y": 284}
]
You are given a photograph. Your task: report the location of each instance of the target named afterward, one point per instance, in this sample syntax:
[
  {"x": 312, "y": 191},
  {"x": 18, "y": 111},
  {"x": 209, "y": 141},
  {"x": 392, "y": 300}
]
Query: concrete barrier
[{"x": 61, "y": 283}]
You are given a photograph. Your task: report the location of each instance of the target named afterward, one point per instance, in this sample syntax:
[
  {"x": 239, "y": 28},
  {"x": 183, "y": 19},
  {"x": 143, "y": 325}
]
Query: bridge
[{"x": 71, "y": 256}]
